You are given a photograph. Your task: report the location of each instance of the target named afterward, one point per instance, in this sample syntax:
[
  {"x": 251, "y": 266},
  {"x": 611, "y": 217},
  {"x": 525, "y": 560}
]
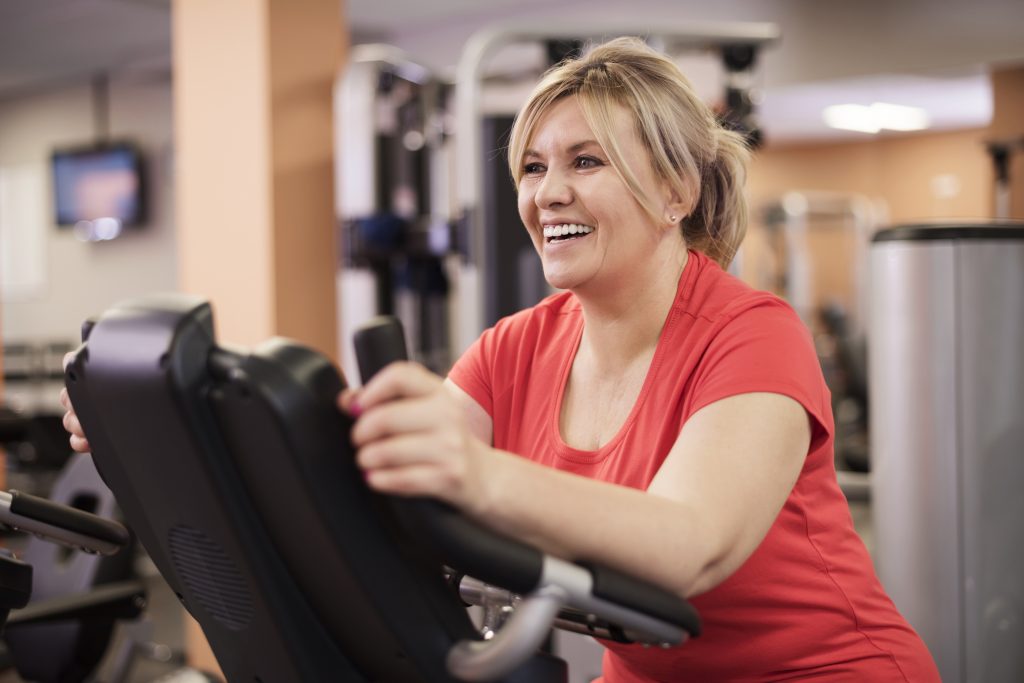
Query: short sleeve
[
  {"x": 473, "y": 374},
  {"x": 763, "y": 348}
]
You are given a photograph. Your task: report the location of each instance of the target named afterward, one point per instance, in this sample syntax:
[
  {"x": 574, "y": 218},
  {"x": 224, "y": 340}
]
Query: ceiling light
[
  {"x": 898, "y": 117},
  {"x": 851, "y": 117},
  {"x": 879, "y": 116}
]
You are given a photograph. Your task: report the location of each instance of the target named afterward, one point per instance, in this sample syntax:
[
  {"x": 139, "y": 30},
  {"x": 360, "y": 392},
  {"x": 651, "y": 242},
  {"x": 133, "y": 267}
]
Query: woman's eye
[
  {"x": 533, "y": 168},
  {"x": 588, "y": 162}
]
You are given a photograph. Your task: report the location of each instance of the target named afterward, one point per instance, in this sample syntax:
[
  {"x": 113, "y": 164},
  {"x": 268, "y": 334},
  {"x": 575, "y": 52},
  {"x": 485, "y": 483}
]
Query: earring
[{"x": 672, "y": 218}]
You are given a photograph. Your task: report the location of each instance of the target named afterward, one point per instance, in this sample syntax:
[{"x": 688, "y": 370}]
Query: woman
[
  {"x": 659, "y": 416},
  {"x": 692, "y": 406}
]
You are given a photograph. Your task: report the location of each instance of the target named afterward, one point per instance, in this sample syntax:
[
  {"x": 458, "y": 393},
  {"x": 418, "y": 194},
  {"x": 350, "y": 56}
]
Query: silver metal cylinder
[{"x": 946, "y": 354}]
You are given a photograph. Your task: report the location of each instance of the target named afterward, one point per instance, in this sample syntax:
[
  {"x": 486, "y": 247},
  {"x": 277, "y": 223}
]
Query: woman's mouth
[{"x": 565, "y": 231}]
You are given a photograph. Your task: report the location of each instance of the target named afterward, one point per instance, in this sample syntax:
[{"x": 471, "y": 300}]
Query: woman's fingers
[
  {"x": 408, "y": 449},
  {"x": 401, "y": 379},
  {"x": 347, "y": 402},
  {"x": 79, "y": 444},
  {"x": 412, "y": 465},
  {"x": 420, "y": 414},
  {"x": 421, "y": 480},
  {"x": 410, "y": 434},
  {"x": 78, "y": 441},
  {"x": 72, "y": 425}
]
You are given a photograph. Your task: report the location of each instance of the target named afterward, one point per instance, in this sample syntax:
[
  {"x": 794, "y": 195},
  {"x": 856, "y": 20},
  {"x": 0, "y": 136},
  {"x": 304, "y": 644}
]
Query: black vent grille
[{"x": 211, "y": 576}]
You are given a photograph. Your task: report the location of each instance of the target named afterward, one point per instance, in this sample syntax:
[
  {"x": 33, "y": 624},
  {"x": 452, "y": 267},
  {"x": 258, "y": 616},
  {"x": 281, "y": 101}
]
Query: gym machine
[
  {"x": 62, "y": 634},
  {"x": 392, "y": 143},
  {"x": 1001, "y": 152},
  {"x": 816, "y": 257},
  {"x": 235, "y": 470},
  {"x": 947, "y": 437}
]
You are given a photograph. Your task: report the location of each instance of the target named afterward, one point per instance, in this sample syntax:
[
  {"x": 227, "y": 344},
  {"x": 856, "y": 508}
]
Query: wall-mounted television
[{"x": 99, "y": 183}]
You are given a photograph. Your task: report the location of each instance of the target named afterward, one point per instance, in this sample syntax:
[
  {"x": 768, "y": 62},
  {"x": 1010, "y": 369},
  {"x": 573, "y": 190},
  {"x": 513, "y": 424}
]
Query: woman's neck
[{"x": 624, "y": 322}]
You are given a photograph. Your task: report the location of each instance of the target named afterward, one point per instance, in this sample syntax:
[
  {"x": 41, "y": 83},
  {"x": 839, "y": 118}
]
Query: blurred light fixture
[
  {"x": 872, "y": 119},
  {"x": 99, "y": 230}
]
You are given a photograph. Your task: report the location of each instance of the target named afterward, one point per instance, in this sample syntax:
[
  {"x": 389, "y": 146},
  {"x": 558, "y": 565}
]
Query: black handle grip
[
  {"x": 464, "y": 544},
  {"x": 643, "y": 597},
  {"x": 379, "y": 342},
  {"x": 66, "y": 517}
]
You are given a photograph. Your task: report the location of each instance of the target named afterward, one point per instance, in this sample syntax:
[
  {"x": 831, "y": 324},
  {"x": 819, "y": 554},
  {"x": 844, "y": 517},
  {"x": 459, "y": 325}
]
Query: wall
[
  {"x": 907, "y": 179},
  {"x": 916, "y": 177},
  {"x": 59, "y": 280},
  {"x": 255, "y": 178},
  {"x": 920, "y": 177}
]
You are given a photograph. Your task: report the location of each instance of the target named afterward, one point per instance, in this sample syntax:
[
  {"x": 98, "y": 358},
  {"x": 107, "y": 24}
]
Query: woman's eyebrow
[
  {"x": 575, "y": 147},
  {"x": 585, "y": 143}
]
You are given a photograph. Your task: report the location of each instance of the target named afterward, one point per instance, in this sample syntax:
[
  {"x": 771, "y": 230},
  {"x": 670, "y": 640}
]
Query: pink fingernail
[{"x": 355, "y": 410}]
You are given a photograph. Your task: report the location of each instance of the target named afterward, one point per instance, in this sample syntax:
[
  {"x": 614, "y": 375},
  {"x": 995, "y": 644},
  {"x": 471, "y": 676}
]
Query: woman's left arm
[{"x": 711, "y": 503}]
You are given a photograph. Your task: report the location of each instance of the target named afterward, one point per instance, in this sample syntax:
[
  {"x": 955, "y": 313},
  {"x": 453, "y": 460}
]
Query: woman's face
[{"x": 586, "y": 225}]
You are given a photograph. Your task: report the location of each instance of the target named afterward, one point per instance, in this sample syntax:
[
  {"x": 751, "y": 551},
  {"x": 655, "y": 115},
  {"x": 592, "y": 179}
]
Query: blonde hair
[{"x": 688, "y": 148}]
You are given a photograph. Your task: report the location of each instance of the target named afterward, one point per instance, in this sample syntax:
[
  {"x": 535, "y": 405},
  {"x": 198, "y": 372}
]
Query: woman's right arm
[{"x": 479, "y": 421}]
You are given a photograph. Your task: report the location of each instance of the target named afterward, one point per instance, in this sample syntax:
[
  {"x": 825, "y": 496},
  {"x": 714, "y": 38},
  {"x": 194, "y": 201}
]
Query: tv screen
[{"x": 99, "y": 182}]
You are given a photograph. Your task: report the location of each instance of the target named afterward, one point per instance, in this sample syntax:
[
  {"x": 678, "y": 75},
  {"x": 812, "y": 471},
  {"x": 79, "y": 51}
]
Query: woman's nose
[{"x": 554, "y": 190}]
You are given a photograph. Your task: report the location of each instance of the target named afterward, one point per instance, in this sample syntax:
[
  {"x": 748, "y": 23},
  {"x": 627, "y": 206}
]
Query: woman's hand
[
  {"x": 413, "y": 438},
  {"x": 78, "y": 441}
]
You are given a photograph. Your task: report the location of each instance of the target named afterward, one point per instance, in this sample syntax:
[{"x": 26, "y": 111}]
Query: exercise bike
[{"x": 236, "y": 471}]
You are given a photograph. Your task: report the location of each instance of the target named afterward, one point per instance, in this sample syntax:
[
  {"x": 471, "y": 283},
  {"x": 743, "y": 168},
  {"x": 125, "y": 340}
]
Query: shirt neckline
[{"x": 567, "y": 452}]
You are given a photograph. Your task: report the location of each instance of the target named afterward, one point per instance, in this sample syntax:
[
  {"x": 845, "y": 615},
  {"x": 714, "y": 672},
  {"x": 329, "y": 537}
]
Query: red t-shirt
[{"x": 806, "y": 604}]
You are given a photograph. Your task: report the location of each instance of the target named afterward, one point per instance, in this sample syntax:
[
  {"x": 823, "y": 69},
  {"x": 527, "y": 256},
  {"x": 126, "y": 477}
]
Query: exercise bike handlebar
[
  {"x": 61, "y": 523},
  {"x": 462, "y": 542},
  {"x": 547, "y": 584}
]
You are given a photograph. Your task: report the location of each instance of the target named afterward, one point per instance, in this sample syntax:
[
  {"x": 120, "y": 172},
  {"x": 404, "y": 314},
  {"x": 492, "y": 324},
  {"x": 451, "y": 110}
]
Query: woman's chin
[{"x": 564, "y": 279}]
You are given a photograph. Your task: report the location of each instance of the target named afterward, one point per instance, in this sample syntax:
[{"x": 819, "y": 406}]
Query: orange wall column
[
  {"x": 254, "y": 157},
  {"x": 1008, "y": 124},
  {"x": 253, "y": 83}
]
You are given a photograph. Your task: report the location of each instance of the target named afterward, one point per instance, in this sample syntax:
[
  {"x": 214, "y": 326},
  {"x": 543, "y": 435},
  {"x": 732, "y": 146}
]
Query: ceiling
[
  {"x": 46, "y": 43},
  {"x": 926, "y": 53}
]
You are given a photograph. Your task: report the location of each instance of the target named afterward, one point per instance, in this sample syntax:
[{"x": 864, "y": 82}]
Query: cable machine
[{"x": 392, "y": 205}]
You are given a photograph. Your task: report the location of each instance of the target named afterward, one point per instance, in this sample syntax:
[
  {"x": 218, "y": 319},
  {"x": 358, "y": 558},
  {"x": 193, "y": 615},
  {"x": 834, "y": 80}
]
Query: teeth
[{"x": 566, "y": 229}]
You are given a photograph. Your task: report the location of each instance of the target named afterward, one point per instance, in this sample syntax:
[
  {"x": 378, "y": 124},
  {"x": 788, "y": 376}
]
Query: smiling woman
[
  {"x": 624, "y": 100},
  {"x": 660, "y": 416}
]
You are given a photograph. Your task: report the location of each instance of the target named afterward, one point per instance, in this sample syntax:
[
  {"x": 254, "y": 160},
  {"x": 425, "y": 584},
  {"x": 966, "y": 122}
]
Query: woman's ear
[{"x": 679, "y": 206}]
